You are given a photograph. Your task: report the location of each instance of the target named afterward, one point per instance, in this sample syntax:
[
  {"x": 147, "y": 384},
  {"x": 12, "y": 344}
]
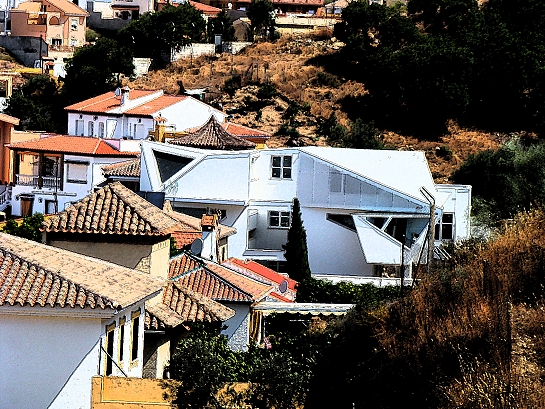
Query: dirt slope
[{"x": 284, "y": 63}]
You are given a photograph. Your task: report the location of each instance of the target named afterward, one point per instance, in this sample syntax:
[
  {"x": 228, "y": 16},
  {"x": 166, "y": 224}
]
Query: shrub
[
  {"x": 267, "y": 91},
  {"x": 232, "y": 84}
]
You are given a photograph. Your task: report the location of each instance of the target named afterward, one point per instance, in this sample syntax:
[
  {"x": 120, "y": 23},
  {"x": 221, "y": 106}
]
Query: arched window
[{"x": 54, "y": 21}]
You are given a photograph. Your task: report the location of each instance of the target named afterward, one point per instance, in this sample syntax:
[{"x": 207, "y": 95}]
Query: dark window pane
[
  {"x": 275, "y": 172},
  {"x": 286, "y": 173},
  {"x": 447, "y": 232},
  {"x": 276, "y": 161},
  {"x": 437, "y": 232},
  {"x": 287, "y": 161},
  {"x": 447, "y": 218}
]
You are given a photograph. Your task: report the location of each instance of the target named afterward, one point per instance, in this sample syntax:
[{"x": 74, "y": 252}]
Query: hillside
[{"x": 285, "y": 64}]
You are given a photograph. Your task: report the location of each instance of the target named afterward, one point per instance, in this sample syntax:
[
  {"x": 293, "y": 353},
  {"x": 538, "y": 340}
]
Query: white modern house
[
  {"x": 54, "y": 171},
  {"x": 365, "y": 211},
  {"x": 131, "y": 114},
  {"x": 65, "y": 318}
]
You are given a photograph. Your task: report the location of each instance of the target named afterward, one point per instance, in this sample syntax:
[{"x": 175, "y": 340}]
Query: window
[
  {"x": 279, "y": 219},
  {"x": 101, "y": 129},
  {"x": 135, "y": 316},
  {"x": 444, "y": 230},
  {"x": 281, "y": 167},
  {"x": 121, "y": 338},
  {"x": 344, "y": 220},
  {"x": 109, "y": 348},
  {"x": 91, "y": 128},
  {"x": 76, "y": 172},
  {"x": 79, "y": 126},
  {"x": 74, "y": 24}
]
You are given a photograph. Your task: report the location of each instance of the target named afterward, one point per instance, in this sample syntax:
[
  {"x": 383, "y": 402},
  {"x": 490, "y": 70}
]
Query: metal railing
[
  {"x": 5, "y": 196},
  {"x": 50, "y": 182}
]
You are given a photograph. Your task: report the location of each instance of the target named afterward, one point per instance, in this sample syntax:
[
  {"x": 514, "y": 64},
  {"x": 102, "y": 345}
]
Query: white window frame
[
  {"x": 90, "y": 128},
  {"x": 76, "y": 178},
  {"x": 74, "y": 23},
  {"x": 281, "y": 170},
  {"x": 278, "y": 219},
  {"x": 101, "y": 129},
  {"x": 439, "y": 227}
]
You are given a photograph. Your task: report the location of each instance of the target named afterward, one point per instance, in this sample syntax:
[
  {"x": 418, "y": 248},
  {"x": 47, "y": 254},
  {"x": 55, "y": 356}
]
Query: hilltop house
[
  {"x": 65, "y": 318},
  {"x": 131, "y": 114},
  {"x": 60, "y": 23},
  {"x": 54, "y": 171},
  {"x": 361, "y": 208}
]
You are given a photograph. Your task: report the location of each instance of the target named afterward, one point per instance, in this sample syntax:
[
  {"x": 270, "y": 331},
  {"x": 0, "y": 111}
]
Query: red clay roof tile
[{"x": 81, "y": 145}]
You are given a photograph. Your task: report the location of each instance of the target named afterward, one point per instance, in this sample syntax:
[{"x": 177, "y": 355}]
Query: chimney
[{"x": 124, "y": 96}]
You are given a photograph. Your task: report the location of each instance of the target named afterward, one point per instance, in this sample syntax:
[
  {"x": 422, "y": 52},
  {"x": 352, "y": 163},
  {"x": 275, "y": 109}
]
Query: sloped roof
[
  {"x": 214, "y": 281},
  {"x": 130, "y": 168},
  {"x": 244, "y": 131},
  {"x": 68, "y": 7},
  {"x": 403, "y": 171},
  {"x": 156, "y": 105},
  {"x": 77, "y": 145},
  {"x": 205, "y": 8},
  {"x": 114, "y": 209},
  {"x": 292, "y": 2},
  {"x": 181, "y": 305},
  {"x": 212, "y": 136},
  {"x": 260, "y": 270},
  {"x": 105, "y": 102},
  {"x": 37, "y": 275},
  {"x": 9, "y": 119}
]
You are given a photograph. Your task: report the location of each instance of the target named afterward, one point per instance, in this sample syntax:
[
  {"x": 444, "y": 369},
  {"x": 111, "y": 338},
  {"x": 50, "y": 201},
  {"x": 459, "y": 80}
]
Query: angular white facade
[{"x": 361, "y": 208}]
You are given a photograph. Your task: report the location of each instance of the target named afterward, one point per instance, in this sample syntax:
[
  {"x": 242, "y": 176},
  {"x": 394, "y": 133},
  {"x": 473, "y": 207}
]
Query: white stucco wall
[
  {"x": 264, "y": 186},
  {"x": 238, "y": 327},
  {"x": 46, "y": 359},
  {"x": 190, "y": 113},
  {"x": 458, "y": 201}
]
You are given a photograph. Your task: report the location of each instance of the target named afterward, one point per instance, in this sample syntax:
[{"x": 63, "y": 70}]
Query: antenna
[{"x": 196, "y": 247}]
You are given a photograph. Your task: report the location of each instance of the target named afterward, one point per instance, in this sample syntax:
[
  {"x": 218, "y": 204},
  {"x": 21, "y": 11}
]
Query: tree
[
  {"x": 295, "y": 249},
  {"x": 223, "y": 25},
  {"x": 29, "y": 228},
  {"x": 261, "y": 15},
  {"x": 155, "y": 33},
  {"x": 39, "y": 105},
  {"x": 96, "y": 69}
]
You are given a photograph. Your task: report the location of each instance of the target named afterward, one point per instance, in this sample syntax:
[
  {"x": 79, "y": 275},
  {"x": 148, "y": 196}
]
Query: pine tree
[{"x": 295, "y": 250}]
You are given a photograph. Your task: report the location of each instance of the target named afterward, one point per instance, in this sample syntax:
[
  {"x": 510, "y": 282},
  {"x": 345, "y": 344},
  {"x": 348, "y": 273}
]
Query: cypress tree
[{"x": 295, "y": 249}]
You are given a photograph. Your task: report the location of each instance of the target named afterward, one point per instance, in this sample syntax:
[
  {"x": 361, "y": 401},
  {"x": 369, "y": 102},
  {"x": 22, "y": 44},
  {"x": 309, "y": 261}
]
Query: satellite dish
[
  {"x": 283, "y": 287},
  {"x": 196, "y": 247},
  {"x": 117, "y": 92}
]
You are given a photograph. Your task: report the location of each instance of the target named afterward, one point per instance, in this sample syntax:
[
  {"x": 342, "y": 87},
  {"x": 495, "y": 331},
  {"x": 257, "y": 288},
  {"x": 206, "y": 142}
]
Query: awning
[
  {"x": 378, "y": 247},
  {"x": 267, "y": 308}
]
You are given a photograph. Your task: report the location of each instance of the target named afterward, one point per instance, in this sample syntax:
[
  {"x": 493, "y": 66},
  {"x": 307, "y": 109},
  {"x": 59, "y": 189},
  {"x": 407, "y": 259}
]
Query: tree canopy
[
  {"x": 295, "y": 249},
  {"x": 39, "y": 105},
  {"x": 158, "y": 32},
  {"x": 96, "y": 69},
  {"x": 436, "y": 60},
  {"x": 261, "y": 15}
]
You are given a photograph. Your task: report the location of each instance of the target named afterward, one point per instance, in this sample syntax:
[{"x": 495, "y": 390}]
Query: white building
[
  {"x": 65, "y": 318},
  {"x": 360, "y": 208},
  {"x": 131, "y": 113},
  {"x": 55, "y": 171}
]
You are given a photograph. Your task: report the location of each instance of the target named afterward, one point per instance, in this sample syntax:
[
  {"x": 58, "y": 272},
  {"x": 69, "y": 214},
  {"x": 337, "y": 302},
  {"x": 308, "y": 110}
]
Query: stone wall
[
  {"x": 25, "y": 49},
  {"x": 198, "y": 49}
]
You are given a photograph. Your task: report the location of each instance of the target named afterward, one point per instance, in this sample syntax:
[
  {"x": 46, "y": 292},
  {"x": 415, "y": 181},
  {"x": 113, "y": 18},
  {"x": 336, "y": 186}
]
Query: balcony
[{"x": 48, "y": 182}]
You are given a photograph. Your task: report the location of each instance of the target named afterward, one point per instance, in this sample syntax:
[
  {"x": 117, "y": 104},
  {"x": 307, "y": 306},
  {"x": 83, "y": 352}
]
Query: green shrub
[{"x": 232, "y": 84}]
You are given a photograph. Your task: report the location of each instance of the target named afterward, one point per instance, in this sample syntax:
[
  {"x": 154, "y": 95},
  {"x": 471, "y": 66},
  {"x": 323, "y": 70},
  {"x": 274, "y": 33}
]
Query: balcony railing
[
  {"x": 5, "y": 196},
  {"x": 50, "y": 182}
]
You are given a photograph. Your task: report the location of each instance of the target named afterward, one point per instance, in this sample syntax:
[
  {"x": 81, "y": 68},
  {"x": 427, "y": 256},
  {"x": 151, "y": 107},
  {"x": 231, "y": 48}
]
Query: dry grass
[{"x": 284, "y": 63}]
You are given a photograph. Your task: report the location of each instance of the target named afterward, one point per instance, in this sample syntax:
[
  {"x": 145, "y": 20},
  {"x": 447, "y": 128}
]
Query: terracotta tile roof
[
  {"x": 204, "y": 8},
  {"x": 34, "y": 274},
  {"x": 114, "y": 209},
  {"x": 181, "y": 305},
  {"x": 130, "y": 168},
  {"x": 106, "y": 102},
  {"x": 243, "y": 131},
  {"x": 292, "y": 2},
  {"x": 9, "y": 119},
  {"x": 212, "y": 136},
  {"x": 214, "y": 281},
  {"x": 81, "y": 145},
  {"x": 250, "y": 266},
  {"x": 155, "y": 105},
  {"x": 68, "y": 7}
]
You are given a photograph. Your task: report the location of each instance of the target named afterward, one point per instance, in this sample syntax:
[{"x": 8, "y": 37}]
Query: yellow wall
[{"x": 132, "y": 393}]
